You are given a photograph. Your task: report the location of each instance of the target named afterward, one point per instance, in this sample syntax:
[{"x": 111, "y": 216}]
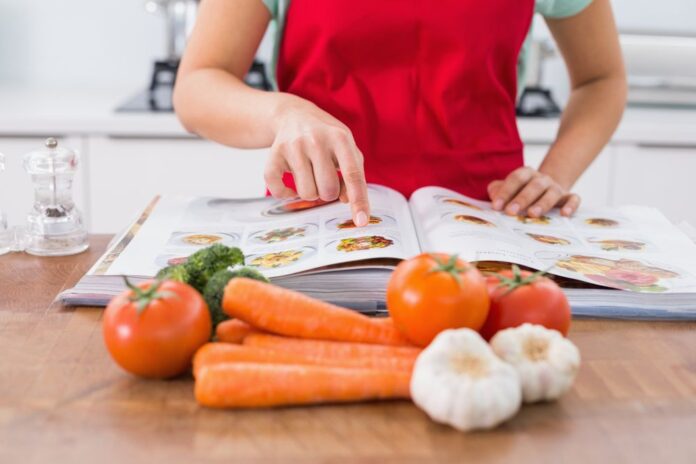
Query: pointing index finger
[{"x": 350, "y": 163}]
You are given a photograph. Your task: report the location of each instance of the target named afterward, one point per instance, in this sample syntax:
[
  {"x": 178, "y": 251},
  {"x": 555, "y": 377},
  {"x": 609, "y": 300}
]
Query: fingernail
[
  {"x": 514, "y": 208},
  {"x": 566, "y": 211},
  {"x": 498, "y": 204},
  {"x": 535, "y": 211},
  {"x": 361, "y": 219}
]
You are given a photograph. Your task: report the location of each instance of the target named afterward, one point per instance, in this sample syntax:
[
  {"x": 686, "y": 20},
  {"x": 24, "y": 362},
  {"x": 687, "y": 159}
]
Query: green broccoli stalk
[
  {"x": 215, "y": 289},
  {"x": 204, "y": 263},
  {"x": 177, "y": 273}
]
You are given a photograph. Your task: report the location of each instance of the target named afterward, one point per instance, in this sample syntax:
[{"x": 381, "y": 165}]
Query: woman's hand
[
  {"x": 590, "y": 46},
  {"x": 212, "y": 100},
  {"x": 526, "y": 189},
  {"x": 314, "y": 146}
]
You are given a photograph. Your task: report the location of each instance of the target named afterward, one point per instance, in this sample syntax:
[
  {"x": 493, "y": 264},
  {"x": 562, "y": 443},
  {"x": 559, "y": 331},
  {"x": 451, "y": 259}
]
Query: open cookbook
[{"x": 627, "y": 262}]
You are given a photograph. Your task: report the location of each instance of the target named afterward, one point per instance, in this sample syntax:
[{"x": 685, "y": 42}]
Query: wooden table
[{"x": 63, "y": 400}]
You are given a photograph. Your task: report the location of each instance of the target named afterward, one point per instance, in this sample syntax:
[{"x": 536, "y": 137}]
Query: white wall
[
  {"x": 672, "y": 17},
  {"x": 77, "y": 43},
  {"x": 656, "y": 16},
  {"x": 112, "y": 43}
]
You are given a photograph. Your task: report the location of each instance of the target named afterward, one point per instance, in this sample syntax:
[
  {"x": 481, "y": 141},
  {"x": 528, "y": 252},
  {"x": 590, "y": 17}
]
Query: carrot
[
  {"x": 233, "y": 331},
  {"x": 286, "y": 312},
  {"x": 248, "y": 385},
  {"x": 344, "y": 354},
  {"x": 313, "y": 354},
  {"x": 383, "y": 320},
  {"x": 218, "y": 353}
]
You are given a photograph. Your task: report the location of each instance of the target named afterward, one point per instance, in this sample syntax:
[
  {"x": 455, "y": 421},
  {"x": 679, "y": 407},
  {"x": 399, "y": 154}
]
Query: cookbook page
[
  {"x": 630, "y": 248},
  {"x": 277, "y": 237}
]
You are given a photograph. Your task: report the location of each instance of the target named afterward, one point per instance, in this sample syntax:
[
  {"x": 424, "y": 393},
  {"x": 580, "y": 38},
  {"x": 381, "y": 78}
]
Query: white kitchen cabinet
[
  {"x": 659, "y": 176},
  {"x": 128, "y": 158},
  {"x": 594, "y": 186},
  {"x": 16, "y": 189},
  {"x": 126, "y": 173}
]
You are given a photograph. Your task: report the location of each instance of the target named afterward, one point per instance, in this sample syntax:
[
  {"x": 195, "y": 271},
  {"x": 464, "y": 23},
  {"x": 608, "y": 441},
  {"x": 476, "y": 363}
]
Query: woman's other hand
[
  {"x": 314, "y": 146},
  {"x": 589, "y": 43},
  {"x": 526, "y": 190}
]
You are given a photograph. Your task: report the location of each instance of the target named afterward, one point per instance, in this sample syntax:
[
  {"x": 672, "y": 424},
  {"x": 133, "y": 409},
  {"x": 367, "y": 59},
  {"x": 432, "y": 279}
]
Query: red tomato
[
  {"x": 434, "y": 292},
  {"x": 158, "y": 338},
  {"x": 516, "y": 298}
]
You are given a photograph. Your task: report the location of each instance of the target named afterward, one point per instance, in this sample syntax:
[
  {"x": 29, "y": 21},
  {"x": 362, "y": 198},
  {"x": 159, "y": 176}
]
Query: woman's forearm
[
  {"x": 587, "y": 123},
  {"x": 589, "y": 43},
  {"x": 219, "y": 106},
  {"x": 210, "y": 97}
]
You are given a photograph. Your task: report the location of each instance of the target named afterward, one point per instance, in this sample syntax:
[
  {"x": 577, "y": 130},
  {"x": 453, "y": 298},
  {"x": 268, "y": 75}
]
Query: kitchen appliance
[
  {"x": 54, "y": 224},
  {"x": 536, "y": 100},
  {"x": 181, "y": 17},
  {"x": 661, "y": 69}
]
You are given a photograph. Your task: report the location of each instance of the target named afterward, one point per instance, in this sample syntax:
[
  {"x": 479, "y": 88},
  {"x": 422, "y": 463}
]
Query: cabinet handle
[{"x": 152, "y": 137}]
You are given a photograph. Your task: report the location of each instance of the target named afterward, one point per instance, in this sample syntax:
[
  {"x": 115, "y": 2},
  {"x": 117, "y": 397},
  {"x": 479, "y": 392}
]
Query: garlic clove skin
[
  {"x": 547, "y": 362},
  {"x": 459, "y": 381}
]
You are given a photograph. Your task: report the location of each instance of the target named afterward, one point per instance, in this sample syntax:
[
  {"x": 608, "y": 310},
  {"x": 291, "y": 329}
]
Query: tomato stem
[
  {"x": 517, "y": 280},
  {"x": 143, "y": 297},
  {"x": 450, "y": 267}
]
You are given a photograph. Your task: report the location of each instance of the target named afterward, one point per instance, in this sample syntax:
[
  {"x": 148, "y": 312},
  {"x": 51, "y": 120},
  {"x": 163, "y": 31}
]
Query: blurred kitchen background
[{"x": 98, "y": 74}]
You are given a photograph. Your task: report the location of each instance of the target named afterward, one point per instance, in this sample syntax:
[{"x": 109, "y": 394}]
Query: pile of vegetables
[
  {"x": 446, "y": 304},
  {"x": 154, "y": 329},
  {"x": 296, "y": 350},
  {"x": 467, "y": 349},
  {"x": 208, "y": 271},
  {"x": 462, "y": 381}
]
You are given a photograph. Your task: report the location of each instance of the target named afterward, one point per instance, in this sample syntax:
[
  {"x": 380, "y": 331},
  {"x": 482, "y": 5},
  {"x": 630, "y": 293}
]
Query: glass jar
[{"x": 54, "y": 224}]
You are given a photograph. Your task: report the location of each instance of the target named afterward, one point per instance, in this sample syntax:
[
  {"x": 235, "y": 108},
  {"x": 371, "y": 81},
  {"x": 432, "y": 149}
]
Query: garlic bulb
[
  {"x": 546, "y": 361},
  {"x": 458, "y": 380}
]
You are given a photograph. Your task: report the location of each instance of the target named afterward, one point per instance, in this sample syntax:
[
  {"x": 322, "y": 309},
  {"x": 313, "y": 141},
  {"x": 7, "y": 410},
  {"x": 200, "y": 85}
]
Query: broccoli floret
[
  {"x": 215, "y": 289},
  {"x": 204, "y": 263},
  {"x": 177, "y": 273}
]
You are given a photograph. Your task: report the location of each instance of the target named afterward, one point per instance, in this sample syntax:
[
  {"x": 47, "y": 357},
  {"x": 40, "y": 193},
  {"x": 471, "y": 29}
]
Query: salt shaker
[{"x": 54, "y": 224}]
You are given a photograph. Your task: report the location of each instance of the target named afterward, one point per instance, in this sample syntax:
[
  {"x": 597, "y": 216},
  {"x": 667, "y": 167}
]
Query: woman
[{"x": 404, "y": 93}]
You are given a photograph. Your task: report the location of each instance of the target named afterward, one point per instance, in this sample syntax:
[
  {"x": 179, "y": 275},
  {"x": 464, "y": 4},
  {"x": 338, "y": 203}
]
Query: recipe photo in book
[
  {"x": 277, "y": 237},
  {"x": 628, "y": 248}
]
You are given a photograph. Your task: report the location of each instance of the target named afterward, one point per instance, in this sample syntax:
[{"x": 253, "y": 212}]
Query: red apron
[{"x": 427, "y": 87}]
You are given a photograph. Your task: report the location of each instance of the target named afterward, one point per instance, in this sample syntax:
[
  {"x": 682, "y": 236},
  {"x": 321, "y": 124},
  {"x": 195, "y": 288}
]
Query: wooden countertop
[{"x": 63, "y": 400}]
